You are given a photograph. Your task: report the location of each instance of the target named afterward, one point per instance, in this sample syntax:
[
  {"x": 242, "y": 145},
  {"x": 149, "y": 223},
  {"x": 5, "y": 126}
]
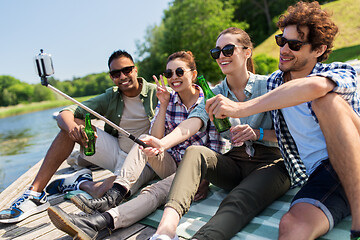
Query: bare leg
[
  {"x": 341, "y": 126},
  {"x": 303, "y": 221},
  {"x": 59, "y": 150},
  {"x": 169, "y": 221},
  {"x": 98, "y": 189}
]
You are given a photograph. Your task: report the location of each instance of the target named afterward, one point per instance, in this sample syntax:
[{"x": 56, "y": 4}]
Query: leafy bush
[{"x": 265, "y": 64}]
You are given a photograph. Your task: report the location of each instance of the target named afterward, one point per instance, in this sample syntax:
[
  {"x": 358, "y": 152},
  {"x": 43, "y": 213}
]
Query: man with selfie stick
[{"x": 131, "y": 104}]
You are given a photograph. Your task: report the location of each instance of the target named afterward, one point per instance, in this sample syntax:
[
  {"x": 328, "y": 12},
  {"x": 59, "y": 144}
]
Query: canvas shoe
[
  {"x": 26, "y": 205},
  {"x": 69, "y": 182},
  {"x": 163, "y": 237}
]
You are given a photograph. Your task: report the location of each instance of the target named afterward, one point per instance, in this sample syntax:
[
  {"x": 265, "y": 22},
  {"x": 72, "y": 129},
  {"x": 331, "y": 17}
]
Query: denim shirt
[
  {"x": 110, "y": 105},
  {"x": 255, "y": 87}
]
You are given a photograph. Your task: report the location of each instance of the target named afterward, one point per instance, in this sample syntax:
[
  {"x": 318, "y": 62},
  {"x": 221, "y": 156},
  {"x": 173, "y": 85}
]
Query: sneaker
[
  {"x": 24, "y": 206},
  {"x": 69, "y": 182},
  {"x": 84, "y": 227},
  {"x": 112, "y": 198},
  {"x": 163, "y": 237}
]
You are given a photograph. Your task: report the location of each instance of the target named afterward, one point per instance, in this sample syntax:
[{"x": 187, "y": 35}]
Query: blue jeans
[{"x": 324, "y": 190}]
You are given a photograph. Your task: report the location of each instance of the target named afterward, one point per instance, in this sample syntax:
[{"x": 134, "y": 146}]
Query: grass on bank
[{"x": 36, "y": 106}]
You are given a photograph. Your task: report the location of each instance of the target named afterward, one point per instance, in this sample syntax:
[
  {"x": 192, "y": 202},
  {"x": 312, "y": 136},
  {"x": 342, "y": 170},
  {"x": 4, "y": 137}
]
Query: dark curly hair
[{"x": 322, "y": 29}]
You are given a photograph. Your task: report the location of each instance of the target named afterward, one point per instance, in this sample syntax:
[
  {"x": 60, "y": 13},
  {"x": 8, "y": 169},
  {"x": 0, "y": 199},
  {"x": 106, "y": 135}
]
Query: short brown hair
[
  {"x": 243, "y": 39},
  {"x": 322, "y": 29}
]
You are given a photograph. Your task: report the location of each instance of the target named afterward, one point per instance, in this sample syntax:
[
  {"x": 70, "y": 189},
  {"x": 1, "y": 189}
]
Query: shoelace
[
  {"x": 73, "y": 186},
  {"x": 21, "y": 199}
]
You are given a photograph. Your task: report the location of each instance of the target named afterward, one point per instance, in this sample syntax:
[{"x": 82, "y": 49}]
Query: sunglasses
[
  {"x": 294, "y": 45},
  {"x": 227, "y": 50},
  {"x": 117, "y": 73},
  {"x": 179, "y": 72}
]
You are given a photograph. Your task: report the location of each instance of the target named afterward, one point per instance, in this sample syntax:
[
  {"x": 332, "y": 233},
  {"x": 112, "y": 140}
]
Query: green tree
[
  {"x": 42, "y": 93},
  {"x": 187, "y": 25},
  {"x": 7, "y": 98},
  {"x": 23, "y": 91},
  {"x": 262, "y": 15}
]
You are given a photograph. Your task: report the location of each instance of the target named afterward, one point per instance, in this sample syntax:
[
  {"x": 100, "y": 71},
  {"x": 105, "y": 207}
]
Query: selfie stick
[{"x": 44, "y": 67}]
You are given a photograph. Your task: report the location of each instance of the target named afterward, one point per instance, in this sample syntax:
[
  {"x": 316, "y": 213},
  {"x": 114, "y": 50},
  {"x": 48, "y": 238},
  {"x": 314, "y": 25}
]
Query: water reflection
[
  {"x": 15, "y": 141},
  {"x": 24, "y": 140}
]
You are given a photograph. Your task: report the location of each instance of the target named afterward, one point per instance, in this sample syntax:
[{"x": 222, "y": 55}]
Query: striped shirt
[
  {"x": 177, "y": 112},
  {"x": 344, "y": 76}
]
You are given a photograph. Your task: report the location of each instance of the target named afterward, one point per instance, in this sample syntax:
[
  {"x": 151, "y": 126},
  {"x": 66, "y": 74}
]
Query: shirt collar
[
  {"x": 248, "y": 88},
  {"x": 177, "y": 98}
]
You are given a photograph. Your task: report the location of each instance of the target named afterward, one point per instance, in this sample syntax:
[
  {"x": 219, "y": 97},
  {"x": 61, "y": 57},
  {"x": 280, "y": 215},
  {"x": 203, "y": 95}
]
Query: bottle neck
[{"x": 205, "y": 87}]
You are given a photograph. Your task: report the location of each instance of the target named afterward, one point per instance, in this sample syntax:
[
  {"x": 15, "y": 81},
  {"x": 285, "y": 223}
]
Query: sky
[{"x": 80, "y": 35}]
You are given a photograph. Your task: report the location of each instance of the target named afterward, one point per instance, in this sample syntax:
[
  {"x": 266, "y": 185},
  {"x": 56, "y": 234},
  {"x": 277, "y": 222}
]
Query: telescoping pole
[{"x": 44, "y": 67}]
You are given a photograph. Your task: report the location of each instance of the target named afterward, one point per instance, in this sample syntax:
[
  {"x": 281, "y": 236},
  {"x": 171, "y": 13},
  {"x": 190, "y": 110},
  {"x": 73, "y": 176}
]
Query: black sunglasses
[
  {"x": 117, "y": 73},
  {"x": 294, "y": 45},
  {"x": 179, "y": 72},
  {"x": 227, "y": 50}
]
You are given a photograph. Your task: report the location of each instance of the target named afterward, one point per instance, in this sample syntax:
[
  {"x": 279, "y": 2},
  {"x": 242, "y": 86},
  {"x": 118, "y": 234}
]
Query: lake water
[{"x": 24, "y": 140}]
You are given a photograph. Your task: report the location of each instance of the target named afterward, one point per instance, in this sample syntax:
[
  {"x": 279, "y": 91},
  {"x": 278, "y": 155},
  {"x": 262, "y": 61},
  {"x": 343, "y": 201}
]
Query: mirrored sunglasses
[
  {"x": 294, "y": 45},
  {"x": 117, "y": 73}
]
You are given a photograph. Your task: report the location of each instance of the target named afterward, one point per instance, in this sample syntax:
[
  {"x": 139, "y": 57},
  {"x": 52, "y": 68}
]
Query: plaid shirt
[
  {"x": 344, "y": 76},
  {"x": 176, "y": 113}
]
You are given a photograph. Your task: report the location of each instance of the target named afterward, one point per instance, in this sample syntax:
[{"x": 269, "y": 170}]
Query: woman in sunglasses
[
  {"x": 254, "y": 178},
  {"x": 172, "y": 109}
]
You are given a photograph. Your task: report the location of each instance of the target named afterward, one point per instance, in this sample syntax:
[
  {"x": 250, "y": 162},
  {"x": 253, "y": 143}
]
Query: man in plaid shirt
[{"x": 315, "y": 109}]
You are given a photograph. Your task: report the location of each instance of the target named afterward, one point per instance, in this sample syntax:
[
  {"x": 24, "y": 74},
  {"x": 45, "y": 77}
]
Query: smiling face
[
  {"x": 297, "y": 63},
  {"x": 231, "y": 64},
  {"x": 184, "y": 82},
  {"x": 128, "y": 84}
]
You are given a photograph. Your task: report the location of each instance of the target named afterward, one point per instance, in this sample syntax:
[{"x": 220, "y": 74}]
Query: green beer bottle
[
  {"x": 90, "y": 149},
  {"x": 221, "y": 125}
]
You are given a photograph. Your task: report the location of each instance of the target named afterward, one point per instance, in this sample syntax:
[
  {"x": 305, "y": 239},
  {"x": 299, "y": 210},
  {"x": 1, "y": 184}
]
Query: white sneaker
[
  {"x": 163, "y": 237},
  {"x": 69, "y": 182},
  {"x": 24, "y": 206}
]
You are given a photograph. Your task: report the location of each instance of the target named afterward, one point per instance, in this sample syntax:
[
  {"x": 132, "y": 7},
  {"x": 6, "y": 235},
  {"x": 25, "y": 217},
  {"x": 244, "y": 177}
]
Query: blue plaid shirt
[
  {"x": 177, "y": 112},
  {"x": 344, "y": 76}
]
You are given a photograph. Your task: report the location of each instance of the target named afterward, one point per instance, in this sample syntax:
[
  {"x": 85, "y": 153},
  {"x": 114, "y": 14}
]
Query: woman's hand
[
  {"x": 161, "y": 92},
  {"x": 155, "y": 144},
  {"x": 241, "y": 133}
]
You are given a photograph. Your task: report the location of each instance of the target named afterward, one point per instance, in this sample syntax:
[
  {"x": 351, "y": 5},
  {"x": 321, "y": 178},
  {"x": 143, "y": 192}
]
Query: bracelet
[{"x": 261, "y": 134}]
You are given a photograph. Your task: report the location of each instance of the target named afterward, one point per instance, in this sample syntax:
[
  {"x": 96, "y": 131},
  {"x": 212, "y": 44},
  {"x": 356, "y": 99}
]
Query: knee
[
  {"x": 194, "y": 154},
  {"x": 287, "y": 225},
  {"x": 290, "y": 226},
  {"x": 328, "y": 104}
]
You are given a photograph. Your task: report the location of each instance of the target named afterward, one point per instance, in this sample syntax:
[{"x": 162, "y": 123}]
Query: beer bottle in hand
[
  {"x": 221, "y": 125},
  {"x": 90, "y": 149}
]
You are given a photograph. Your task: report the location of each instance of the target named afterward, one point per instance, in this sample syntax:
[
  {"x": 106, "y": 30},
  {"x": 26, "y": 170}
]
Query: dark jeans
[{"x": 253, "y": 182}]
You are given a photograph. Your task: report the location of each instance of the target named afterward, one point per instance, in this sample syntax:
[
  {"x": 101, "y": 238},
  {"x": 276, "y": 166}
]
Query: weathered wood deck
[{"x": 39, "y": 226}]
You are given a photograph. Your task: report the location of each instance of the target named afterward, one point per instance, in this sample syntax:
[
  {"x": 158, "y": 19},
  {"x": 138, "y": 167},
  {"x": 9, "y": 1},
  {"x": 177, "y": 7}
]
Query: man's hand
[
  {"x": 155, "y": 144},
  {"x": 202, "y": 190},
  {"x": 77, "y": 134},
  {"x": 221, "y": 107}
]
